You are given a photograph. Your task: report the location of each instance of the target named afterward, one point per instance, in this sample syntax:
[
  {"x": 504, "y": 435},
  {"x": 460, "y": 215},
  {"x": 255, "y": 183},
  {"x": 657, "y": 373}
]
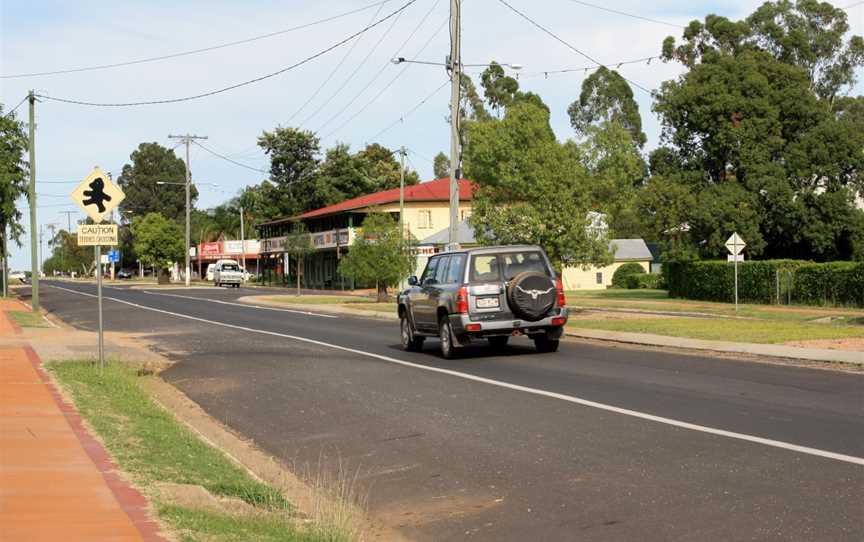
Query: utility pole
[
  {"x": 402, "y": 191},
  {"x": 455, "y": 64},
  {"x": 187, "y": 140},
  {"x": 3, "y": 261},
  {"x": 68, "y": 219},
  {"x": 34, "y": 256},
  {"x": 242, "y": 241}
]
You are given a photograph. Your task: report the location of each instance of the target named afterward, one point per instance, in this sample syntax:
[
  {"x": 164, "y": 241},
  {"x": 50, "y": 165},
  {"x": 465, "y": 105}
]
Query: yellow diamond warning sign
[
  {"x": 97, "y": 195},
  {"x": 97, "y": 234}
]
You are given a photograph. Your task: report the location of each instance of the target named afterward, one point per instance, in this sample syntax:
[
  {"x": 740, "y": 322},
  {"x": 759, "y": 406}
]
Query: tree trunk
[
  {"x": 298, "y": 275},
  {"x": 382, "y": 292},
  {"x": 164, "y": 277}
]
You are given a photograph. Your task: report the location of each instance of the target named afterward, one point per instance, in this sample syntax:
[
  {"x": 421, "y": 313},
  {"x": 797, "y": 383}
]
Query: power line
[
  {"x": 633, "y": 15},
  {"x": 9, "y": 113},
  {"x": 353, "y": 73},
  {"x": 567, "y": 44},
  {"x": 412, "y": 110},
  {"x": 196, "y": 51},
  {"x": 332, "y": 73},
  {"x": 237, "y": 85},
  {"x": 236, "y": 163},
  {"x": 615, "y": 65},
  {"x": 383, "y": 90}
]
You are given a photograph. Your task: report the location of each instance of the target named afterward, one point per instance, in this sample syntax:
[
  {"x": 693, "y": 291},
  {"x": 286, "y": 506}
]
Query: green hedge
[
  {"x": 836, "y": 283},
  {"x": 619, "y": 278}
]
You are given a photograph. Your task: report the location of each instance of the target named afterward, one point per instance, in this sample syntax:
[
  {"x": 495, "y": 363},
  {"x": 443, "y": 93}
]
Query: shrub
[
  {"x": 643, "y": 281},
  {"x": 619, "y": 278}
]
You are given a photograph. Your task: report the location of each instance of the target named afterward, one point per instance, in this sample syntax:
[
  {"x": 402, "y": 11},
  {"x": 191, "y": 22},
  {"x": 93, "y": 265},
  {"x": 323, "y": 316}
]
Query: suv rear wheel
[
  {"x": 544, "y": 344},
  {"x": 445, "y": 333},
  {"x": 410, "y": 342}
]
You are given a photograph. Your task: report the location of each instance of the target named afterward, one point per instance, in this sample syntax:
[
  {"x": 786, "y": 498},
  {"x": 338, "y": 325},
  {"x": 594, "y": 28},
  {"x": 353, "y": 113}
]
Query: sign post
[
  {"x": 735, "y": 245},
  {"x": 97, "y": 196}
]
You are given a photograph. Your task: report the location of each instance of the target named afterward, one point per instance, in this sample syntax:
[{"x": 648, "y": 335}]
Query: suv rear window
[
  {"x": 230, "y": 267},
  {"x": 519, "y": 262},
  {"x": 489, "y": 267}
]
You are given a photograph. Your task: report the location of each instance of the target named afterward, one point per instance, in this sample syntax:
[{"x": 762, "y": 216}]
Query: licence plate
[{"x": 487, "y": 302}]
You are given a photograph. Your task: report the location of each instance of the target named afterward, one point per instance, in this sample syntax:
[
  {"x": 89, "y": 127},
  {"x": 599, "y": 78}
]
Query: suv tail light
[
  {"x": 462, "y": 301},
  {"x": 562, "y": 301}
]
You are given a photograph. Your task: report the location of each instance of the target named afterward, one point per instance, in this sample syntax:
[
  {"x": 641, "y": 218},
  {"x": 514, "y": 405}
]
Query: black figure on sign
[{"x": 96, "y": 195}]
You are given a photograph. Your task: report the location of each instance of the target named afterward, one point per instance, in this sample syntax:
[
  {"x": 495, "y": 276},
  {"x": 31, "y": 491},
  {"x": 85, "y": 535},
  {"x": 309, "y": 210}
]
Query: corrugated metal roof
[
  {"x": 437, "y": 190},
  {"x": 630, "y": 249}
]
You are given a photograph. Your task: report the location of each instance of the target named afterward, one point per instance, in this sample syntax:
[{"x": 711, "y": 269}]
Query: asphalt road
[{"x": 590, "y": 443}]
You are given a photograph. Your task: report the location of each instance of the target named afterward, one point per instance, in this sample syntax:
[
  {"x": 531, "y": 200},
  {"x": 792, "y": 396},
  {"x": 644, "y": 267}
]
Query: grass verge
[
  {"x": 747, "y": 331},
  {"x": 658, "y": 300},
  {"x": 150, "y": 445},
  {"x": 27, "y": 319},
  {"x": 315, "y": 299}
]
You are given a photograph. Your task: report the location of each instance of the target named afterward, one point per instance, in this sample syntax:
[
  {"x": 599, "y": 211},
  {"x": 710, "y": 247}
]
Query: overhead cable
[
  {"x": 236, "y": 163},
  {"x": 567, "y": 44},
  {"x": 381, "y": 91},
  {"x": 624, "y": 13},
  {"x": 384, "y": 67},
  {"x": 236, "y": 85},
  {"x": 409, "y": 112},
  {"x": 196, "y": 51},
  {"x": 9, "y": 113},
  {"x": 333, "y": 72},
  {"x": 354, "y": 72}
]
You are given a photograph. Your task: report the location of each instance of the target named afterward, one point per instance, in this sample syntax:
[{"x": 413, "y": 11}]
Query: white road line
[
  {"x": 534, "y": 391},
  {"x": 245, "y": 305}
]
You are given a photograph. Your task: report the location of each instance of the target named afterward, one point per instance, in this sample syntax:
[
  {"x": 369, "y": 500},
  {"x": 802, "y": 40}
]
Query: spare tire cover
[{"x": 531, "y": 295}]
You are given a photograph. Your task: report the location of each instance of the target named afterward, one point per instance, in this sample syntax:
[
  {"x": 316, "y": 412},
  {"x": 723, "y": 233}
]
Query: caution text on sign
[{"x": 97, "y": 234}]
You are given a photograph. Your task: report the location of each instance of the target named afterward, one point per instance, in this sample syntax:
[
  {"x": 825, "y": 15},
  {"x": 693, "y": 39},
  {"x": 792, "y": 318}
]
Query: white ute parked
[{"x": 227, "y": 272}]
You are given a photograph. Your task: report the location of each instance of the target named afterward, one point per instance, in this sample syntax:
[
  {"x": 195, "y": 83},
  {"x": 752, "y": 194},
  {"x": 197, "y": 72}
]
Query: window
[
  {"x": 430, "y": 270},
  {"x": 520, "y": 262},
  {"x": 441, "y": 272},
  {"x": 424, "y": 219},
  {"x": 484, "y": 268},
  {"x": 455, "y": 270},
  {"x": 599, "y": 278}
]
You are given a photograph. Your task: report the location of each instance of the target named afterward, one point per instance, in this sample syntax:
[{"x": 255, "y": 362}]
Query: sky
[{"x": 325, "y": 95}]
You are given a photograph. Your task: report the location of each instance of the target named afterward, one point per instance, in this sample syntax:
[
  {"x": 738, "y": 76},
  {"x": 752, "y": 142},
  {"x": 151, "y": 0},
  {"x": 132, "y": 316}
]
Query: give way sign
[{"x": 735, "y": 244}]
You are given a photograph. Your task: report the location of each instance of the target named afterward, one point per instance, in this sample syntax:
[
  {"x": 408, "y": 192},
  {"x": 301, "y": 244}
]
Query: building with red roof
[{"x": 333, "y": 229}]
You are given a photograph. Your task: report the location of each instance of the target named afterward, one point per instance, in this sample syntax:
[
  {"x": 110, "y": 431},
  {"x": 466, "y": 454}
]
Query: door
[{"x": 430, "y": 290}]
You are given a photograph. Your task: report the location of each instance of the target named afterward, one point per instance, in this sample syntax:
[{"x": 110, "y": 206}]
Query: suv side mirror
[{"x": 412, "y": 281}]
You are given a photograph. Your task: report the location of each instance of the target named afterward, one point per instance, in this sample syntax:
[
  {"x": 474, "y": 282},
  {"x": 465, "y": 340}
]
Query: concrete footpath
[{"x": 56, "y": 481}]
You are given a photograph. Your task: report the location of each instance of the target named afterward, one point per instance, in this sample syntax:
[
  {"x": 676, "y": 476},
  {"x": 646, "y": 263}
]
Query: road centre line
[
  {"x": 246, "y": 305},
  {"x": 516, "y": 387}
]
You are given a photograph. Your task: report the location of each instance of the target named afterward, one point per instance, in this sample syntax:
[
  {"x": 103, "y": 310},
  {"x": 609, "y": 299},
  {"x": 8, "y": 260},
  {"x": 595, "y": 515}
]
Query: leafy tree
[
  {"x": 293, "y": 166},
  {"x": 499, "y": 88},
  {"x": 755, "y": 127},
  {"x": 379, "y": 254},
  {"x": 152, "y": 163},
  {"x": 809, "y": 34},
  {"x": 158, "y": 240},
  {"x": 616, "y": 169},
  {"x": 441, "y": 166},
  {"x": 665, "y": 208},
  {"x": 471, "y": 105},
  {"x": 342, "y": 176},
  {"x": 382, "y": 168},
  {"x": 532, "y": 189},
  {"x": 67, "y": 255},
  {"x": 298, "y": 245},
  {"x": 606, "y": 97},
  {"x": 14, "y": 171}
]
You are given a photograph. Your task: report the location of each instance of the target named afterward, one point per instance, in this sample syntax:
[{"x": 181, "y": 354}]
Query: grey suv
[{"x": 489, "y": 293}]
